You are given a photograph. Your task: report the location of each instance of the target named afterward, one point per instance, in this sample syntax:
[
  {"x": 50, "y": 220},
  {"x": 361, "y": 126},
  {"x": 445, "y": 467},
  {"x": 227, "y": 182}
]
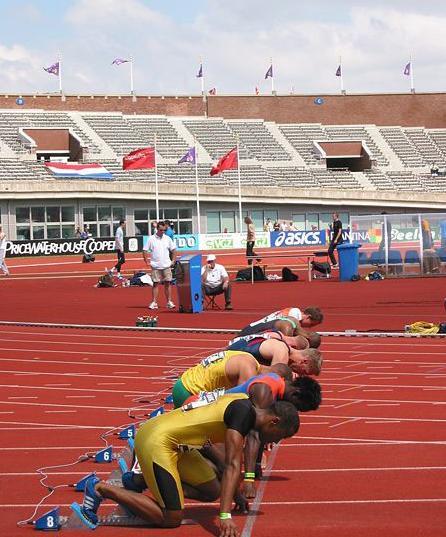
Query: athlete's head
[
  {"x": 278, "y": 421},
  {"x": 311, "y": 317},
  {"x": 304, "y": 393},
  {"x": 282, "y": 370},
  {"x": 306, "y": 362},
  {"x": 314, "y": 339}
]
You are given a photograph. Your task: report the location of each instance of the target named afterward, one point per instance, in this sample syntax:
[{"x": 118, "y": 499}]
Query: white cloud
[{"x": 236, "y": 39}]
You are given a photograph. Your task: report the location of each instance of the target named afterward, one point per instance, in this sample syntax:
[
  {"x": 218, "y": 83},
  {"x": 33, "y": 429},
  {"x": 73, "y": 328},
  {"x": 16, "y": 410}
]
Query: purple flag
[
  {"x": 118, "y": 61},
  {"x": 269, "y": 73},
  {"x": 189, "y": 157},
  {"x": 339, "y": 71},
  {"x": 407, "y": 69},
  {"x": 200, "y": 71},
  {"x": 52, "y": 69}
]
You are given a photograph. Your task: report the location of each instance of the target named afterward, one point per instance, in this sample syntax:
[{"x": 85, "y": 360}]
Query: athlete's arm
[
  {"x": 240, "y": 368},
  {"x": 231, "y": 475},
  {"x": 285, "y": 327}
]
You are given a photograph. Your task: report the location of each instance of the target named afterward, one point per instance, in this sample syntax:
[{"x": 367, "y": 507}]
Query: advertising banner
[
  {"x": 297, "y": 238},
  {"x": 219, "y": 241},
  {"x": 49, "y": 247}
]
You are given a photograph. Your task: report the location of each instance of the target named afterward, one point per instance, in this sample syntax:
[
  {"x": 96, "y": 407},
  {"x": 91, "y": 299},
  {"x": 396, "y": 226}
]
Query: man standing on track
[
  {"x": 163, "y": 253},
  {"x": 336, "y": 239},
  {"x": 250, "y": 239},
  {"x": 119, "y": 248},
  {"x": 3, "y": 252},
  {"x": 173, "y": 468}
]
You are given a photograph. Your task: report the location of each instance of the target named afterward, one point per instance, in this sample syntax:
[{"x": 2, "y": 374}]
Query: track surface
[{"x": 370, "y": 461}]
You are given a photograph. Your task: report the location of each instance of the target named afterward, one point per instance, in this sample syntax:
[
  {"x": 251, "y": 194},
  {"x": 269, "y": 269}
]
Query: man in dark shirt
[{"x": 336, "y": 239}]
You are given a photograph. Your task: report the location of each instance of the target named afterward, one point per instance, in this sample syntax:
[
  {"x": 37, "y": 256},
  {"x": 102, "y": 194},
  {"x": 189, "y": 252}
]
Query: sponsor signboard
[
  {"x": 182, "y": 242},
  {"x": 219, "y": 241},
  {"x": 49, "y": 247},
  {"x": 297, "y": 238}
]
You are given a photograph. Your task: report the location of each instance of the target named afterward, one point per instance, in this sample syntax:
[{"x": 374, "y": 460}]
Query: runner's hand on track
[
  {"x": 241, "y": 504},
  {"x": 228, "y": 528},
  {"x": 249, "y": 489}
]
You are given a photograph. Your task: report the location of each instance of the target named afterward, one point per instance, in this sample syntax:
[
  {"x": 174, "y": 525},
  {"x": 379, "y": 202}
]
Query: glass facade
[
  {"x": 45, "y": 222},
  {"x": 102, "y": 220},
  {"x": 181, "y": 219}
]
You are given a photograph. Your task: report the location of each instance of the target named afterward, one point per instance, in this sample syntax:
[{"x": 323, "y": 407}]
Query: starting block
[
  {"x": 131, "y": 444},
  {"x": 169, "y": 399},
  {"x": 128, "y": 432},
  {"x": 105, "y": 455},
  {"x": 80, "y": 485},
  {"x": 156, "y": 412},
  {"x": 123, "y": 466},
  {"x": 50, "y": 521}
]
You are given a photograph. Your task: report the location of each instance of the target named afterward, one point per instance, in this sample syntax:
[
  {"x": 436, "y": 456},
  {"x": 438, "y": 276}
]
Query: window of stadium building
[
  {"x": 103, "y": 220},
  {"x": 220, "y": 221},
  {"x": 259, "y": 217},
  {"x": 181, "y": 219},
  {"x": 52, "y": 222}
]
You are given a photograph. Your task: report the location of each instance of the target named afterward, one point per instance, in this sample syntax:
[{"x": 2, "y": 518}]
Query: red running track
[
  {"x": 370, "y": 461},
  {"x": 61, "y": 290}
]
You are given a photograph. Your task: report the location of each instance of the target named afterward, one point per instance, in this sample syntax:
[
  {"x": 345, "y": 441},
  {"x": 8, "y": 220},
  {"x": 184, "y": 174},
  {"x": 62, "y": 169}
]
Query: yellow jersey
[{"x": 210, "y": 373}]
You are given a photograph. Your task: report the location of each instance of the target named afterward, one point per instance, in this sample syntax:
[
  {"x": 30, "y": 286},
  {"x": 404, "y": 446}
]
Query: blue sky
[{"x": 235, "y": 38}]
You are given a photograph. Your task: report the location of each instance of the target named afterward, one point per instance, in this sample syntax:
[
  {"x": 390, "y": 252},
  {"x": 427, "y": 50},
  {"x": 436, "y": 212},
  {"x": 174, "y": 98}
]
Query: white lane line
[
  {"x": 65, "y": 362},
  {"x": 376, "y": 420},
  {"x": 23, "y": 397},
  {"x": 60, "y": 411},
  {"x": 429, "y": 420},
  {"x": 378, "y": 389},
  {"x": 54, "y": 404},
  {"x": 129, "y": 393},
  {"x": 382, "y": 441},
  {"x": 383, "y": 378},
  {"x": 354, "y": 402},
  {"x": 251, "y": 518},
  {"x": 51, "y": 385},
  {"x": 383, "y": 404},
  {"x": 57, "y": 425},
  {"x": 362, "y": 469},
  {"x": 7, "y": 412},
  {"x": 80, "y": 397},
  {"x": 129, "y": 354}
]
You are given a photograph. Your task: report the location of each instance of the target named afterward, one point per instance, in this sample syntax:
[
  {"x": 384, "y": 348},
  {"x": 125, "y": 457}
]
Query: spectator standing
[
  {"x": 215, "y": 280},
  {"x": 77, "y": 233},
  {"x": 3, "y": 252},
  {"x": 250, "y": 239},
  {"x": 169, "y": 229},
  {"x": 162, "y": 259},
  {"x": 431, "y": 260},
  {"x": 336, "y": 239},
  {"x": 119, "y": 248},
  {"x": 268, "y": 225},
  {"x": 86, "y": 232},
  {"x": 276, "y": 226},
  {"x": 292, "y": 227}
]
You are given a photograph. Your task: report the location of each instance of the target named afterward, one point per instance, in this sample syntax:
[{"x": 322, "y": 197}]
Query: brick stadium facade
[{"x": 405, "y": 109}]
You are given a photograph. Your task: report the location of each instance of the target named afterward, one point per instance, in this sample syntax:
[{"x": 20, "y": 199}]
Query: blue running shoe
[
  {"x": 91, "y": 503},
  {"x": 128, "y": 482}
]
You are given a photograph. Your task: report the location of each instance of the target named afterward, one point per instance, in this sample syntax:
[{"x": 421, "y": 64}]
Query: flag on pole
[
  {"x": 257, "y": 90},
  {"x": 269, "y": 73},
  {"x": 189, "y": 157},
  {"x": 339, "y": 70},
  {"x": 227, "y": 162},
  {"x": 200, "y": 71},
  {"x": 407, "y": 69},
  {"x": 53, "y": 69},
  {"x": 139, "y": 159},
  {"x": 213, "y": 91},
  {"x": 119, "y": 61}
]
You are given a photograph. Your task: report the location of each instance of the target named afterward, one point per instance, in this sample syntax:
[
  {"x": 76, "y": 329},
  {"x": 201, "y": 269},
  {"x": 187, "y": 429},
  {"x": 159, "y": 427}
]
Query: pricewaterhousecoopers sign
[{"x": 69, "y": 246}]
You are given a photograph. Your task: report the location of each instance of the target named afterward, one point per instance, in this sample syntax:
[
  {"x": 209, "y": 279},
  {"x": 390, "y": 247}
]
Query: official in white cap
[{"x": 215, "y": 280}]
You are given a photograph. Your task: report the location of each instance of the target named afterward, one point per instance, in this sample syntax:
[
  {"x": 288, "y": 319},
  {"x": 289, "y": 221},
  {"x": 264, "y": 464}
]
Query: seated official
[{"x": 215, "y": 280}]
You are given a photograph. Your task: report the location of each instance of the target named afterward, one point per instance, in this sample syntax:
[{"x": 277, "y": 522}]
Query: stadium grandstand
[{"x": 301, "y": 157}]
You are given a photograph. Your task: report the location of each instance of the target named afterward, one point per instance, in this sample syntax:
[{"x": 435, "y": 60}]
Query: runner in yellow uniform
[{"x": 173, "y": 468}]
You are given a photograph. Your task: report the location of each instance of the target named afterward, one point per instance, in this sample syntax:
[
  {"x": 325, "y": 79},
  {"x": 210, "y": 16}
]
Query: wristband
[
  {"x": 224, "y": 516},
  {"x": 248, "y": 480},
  {"x": 250, "y": 475}
]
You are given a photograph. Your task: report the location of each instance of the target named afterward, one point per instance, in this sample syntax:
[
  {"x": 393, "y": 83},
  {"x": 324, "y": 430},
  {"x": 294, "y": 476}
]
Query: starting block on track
[
  {"x": 119, "y": 517},
  {"x": 128, "y": 432},
  {"x": 169, "y": 399},
  {"x": 105, "y": 455},
  {"x": 80, "y": 485},
  {"x": 156, "y": 412},
  {"x": 50, "y": 521}
]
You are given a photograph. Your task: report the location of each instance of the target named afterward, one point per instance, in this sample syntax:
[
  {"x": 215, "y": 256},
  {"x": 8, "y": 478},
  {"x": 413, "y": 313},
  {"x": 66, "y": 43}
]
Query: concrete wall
[{"x": 405, "y": 109}]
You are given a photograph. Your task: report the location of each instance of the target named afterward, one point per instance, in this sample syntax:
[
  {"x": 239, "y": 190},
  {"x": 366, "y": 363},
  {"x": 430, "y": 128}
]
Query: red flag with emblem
[
  {"x": 228, "y": 162},
  {"x": 139, "y": 159}
]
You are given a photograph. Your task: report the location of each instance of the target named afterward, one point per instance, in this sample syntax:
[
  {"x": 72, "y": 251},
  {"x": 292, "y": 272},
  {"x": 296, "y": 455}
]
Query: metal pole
[
  {"x": 197, "y": 190},
  {"x": 157, "y": 205},
  {"x": 60, "y": 74},
  {"x": 131, "y": 77},
  {"x": 239, "y": 189}
]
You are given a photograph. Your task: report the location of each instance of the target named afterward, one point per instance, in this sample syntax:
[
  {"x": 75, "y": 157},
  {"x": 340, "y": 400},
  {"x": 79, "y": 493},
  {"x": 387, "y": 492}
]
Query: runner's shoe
[
  {"x": 171, "y": 305},
  {"x": 91, "y": 503},
  {"x": 129, "y": 483},
  {"x": 153, "y": 306}
]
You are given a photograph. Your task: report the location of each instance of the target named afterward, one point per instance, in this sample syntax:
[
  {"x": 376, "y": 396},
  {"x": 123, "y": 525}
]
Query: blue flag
[
  {"x": 52, "y": 69},
  {"x": 189, "y": 157},
  {"x": 200, "y": 71},
  {"x": 269, "y": 73}
]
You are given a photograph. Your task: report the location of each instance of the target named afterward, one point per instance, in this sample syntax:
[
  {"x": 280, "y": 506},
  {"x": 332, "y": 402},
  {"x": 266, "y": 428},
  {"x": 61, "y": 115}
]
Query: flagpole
[
  {"x": 197, "y": 189},
  {"x": 239, "y": 188},
  {"x": 272, "y": 80},
  {"x": 131, "y": 77},
  {"x": 342, "y": 75},
  {"x": 60, "y": 74},
  {"x": 412, "y": 85},
  {"x": 157, "y": 204}
]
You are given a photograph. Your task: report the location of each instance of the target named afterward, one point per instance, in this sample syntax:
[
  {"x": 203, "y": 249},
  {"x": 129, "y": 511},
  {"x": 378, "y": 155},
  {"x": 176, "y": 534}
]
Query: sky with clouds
[{"x": 234, "y": 38}]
